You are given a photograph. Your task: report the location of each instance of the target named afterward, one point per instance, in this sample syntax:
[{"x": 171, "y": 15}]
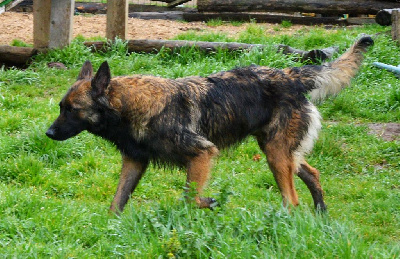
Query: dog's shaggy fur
[{"x": 186, "y": 121}]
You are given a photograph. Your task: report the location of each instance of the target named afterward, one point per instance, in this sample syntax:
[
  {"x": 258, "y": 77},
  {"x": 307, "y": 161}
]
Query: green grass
[
  {"x": 214, "y": 22},
  {"x": 286, "y": 24},
  {"x": 54, "y": 196}
]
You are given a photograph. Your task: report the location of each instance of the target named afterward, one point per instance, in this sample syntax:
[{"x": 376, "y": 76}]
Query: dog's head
[{"x": 79, "y": 108}]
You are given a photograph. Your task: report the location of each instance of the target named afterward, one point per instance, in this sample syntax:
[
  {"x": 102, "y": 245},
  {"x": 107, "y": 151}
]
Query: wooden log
[
  {"x": 20, "y": 56},
  {"x": 262, "y": 17},
  {"x": 384, "y": 17},
  {"x": 101, "y": 8},
  {"x": 332, "y": 7},
  {"x": 61, "y": 22},
  {"x": 117, "y": 19},
  {"x": 396, "y": 26},
  {"x": 41, "y": 23},
  {"x": 149, "y": 46},
  {"x": 171, "y": 15},
  {"x": 16, "y": 56}
]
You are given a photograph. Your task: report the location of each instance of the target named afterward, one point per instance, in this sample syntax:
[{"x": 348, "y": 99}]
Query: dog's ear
[
  {"x": 86, "y": 71},
  {"x": 101, "y": 79}
]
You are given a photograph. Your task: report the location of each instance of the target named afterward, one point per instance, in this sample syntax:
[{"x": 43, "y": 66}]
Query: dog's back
[{"x": 228, "y": 106}]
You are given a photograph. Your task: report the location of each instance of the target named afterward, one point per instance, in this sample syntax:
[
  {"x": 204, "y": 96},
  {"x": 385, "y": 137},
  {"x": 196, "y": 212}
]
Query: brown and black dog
[{"x": 186, "y": 121}]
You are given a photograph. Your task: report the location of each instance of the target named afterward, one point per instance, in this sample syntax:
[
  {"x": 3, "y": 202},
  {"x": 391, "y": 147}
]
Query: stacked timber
[{"x": 330, "y": 7}]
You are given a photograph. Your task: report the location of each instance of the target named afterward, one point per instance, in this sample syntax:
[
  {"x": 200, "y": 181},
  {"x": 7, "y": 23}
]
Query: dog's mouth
[
  {"x": 52, "y": 133},
  {"x": 56, "y": 134}
]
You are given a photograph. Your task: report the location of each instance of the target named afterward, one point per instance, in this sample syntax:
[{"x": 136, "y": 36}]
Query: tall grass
[{"x": 54, "y": 196}]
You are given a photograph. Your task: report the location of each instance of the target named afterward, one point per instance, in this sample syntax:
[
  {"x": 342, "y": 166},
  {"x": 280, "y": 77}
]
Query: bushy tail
[{"x": 331, "y": 78}]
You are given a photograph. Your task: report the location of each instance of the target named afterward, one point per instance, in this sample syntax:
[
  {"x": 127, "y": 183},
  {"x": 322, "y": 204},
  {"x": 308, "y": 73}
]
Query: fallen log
[
  {"x": 149, "y": 46},
  {"x": 332, "y": 7},
  {"x": 16, "y": 56},
  {"x": 384, "y": 17},
  {"x": 21, "y": 56}
]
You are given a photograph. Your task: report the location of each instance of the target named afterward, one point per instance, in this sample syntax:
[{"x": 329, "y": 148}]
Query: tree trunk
[{"x": 333, "y": 7}]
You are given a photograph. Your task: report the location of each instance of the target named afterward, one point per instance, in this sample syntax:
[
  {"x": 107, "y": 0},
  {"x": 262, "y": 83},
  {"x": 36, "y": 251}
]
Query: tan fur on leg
[{"x": 198, "y": 170}]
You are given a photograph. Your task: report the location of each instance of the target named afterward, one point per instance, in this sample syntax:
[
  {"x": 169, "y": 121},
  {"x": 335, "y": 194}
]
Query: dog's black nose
[{"x": 50, "y": 133}]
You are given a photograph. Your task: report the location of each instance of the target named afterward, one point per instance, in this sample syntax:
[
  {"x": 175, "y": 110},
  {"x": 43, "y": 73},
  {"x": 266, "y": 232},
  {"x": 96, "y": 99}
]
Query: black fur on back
[{"x": 235, "y": 104}]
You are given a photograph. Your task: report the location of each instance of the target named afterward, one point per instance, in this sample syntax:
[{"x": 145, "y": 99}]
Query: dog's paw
[{"x": 208, "y": 203}]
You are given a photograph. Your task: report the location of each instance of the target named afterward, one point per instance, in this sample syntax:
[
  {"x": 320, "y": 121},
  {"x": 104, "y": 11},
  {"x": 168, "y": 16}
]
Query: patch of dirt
[
  {"x": 387, "y": 131},
  {"x": 20, "y": 26}
]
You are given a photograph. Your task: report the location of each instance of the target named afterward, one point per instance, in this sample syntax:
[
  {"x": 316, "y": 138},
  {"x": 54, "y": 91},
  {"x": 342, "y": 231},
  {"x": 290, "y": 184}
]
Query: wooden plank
[
  {"x": 336, "y": 7},
  {"x": 61, "y": 21},
  {"x": 117, "y": 19},
  {"x": 41, "y": 23},
  {"x": 262, "y": 17}
]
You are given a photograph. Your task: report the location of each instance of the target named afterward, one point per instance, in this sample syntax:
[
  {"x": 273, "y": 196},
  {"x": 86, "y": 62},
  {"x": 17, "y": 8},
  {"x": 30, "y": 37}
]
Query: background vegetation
[{"x": 54, "y": 196}]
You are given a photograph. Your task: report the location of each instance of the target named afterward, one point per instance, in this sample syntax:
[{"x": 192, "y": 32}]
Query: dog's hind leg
[
  {"x": 282, "y": 165},
  {"x": 131, "y": 173},
  {"x": 310, "y": 177},
  {"x": 198, "y": 171}
]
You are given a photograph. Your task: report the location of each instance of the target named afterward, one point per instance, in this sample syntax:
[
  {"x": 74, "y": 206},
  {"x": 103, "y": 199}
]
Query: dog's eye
[{"x": 69, "y": 108}]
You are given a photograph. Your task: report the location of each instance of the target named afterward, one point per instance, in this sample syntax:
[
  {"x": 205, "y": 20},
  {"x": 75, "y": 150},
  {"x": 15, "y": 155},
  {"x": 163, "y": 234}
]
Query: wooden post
[
  {"x": 61, "y": 21},
  {"x": 41, "y": 23},
  {"x": 117, "y": 19},
  {"x": 396, "y": 25}
]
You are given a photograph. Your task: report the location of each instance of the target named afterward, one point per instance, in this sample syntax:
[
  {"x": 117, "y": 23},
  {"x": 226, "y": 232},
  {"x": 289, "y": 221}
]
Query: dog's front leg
[{"x": 131, "y": 173}]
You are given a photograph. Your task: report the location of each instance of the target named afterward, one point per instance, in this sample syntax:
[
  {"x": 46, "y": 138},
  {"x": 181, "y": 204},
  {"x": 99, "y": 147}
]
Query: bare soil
[
  {"x": 387, "y": 131},
  {"x": 19, "y": 26}
]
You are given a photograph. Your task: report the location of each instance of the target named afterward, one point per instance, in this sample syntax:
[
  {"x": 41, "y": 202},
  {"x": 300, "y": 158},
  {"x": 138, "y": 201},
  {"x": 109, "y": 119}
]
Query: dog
[{"x": 186, "y": 121}]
